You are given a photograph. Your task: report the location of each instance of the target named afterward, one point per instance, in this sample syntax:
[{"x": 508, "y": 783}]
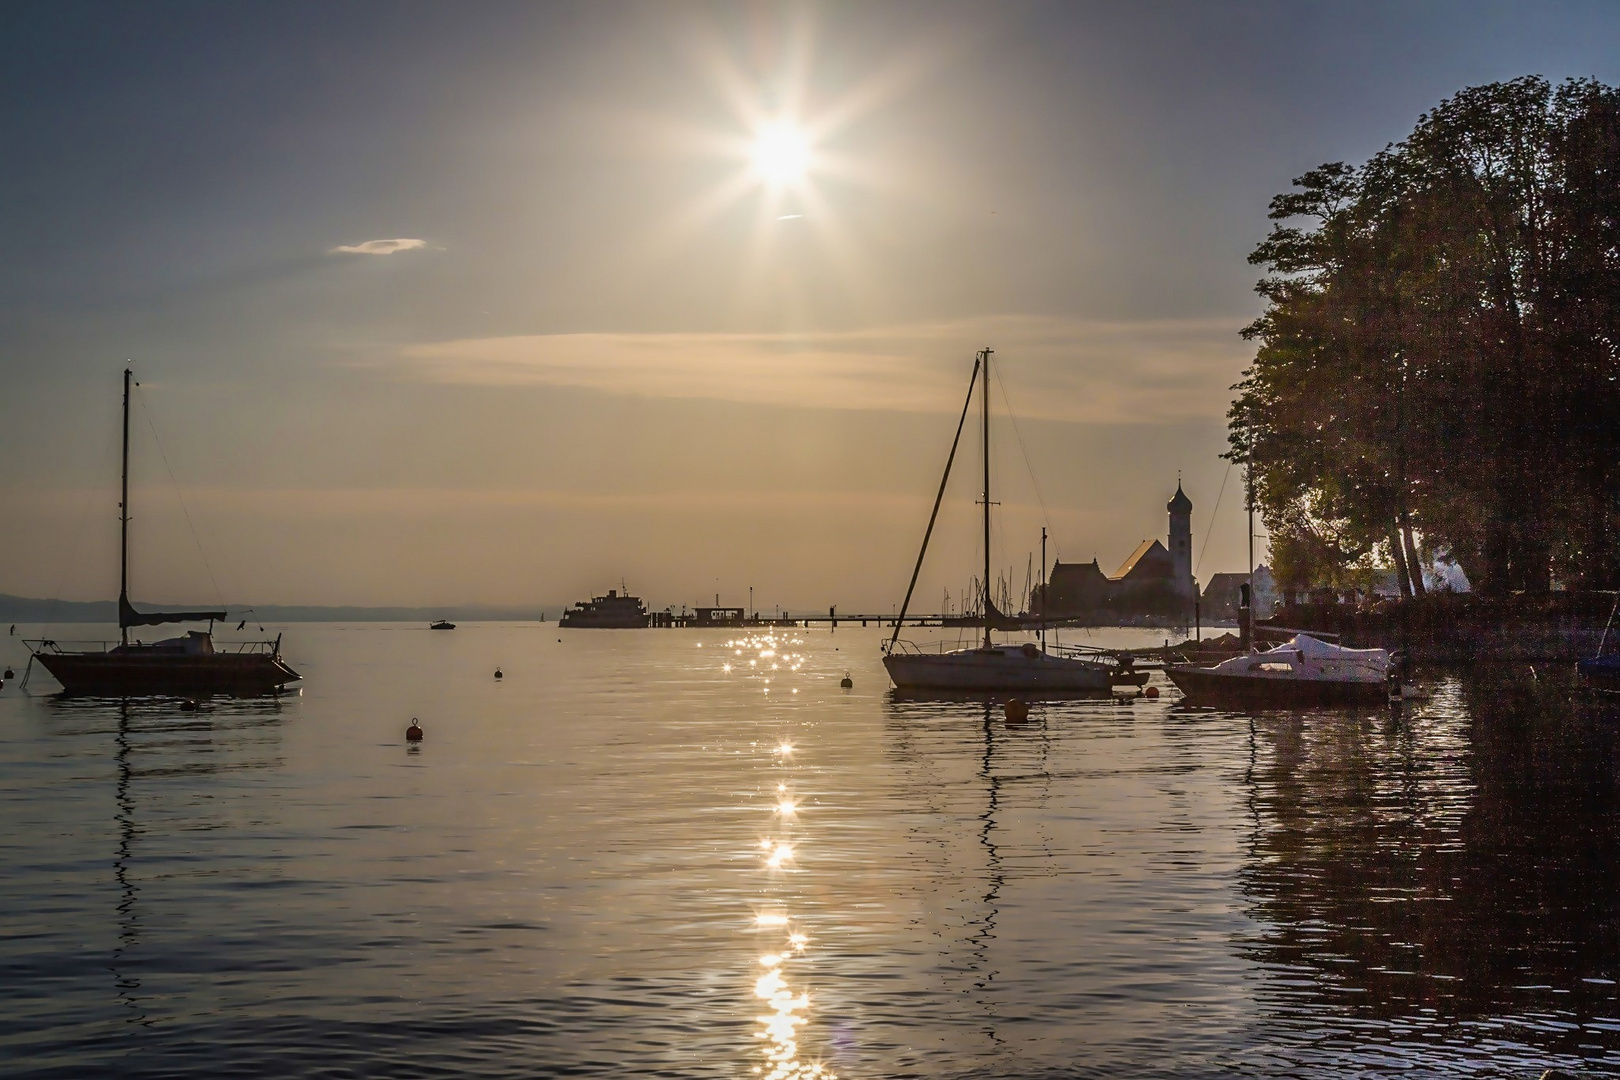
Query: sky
[{"x": 500, "y": 303}]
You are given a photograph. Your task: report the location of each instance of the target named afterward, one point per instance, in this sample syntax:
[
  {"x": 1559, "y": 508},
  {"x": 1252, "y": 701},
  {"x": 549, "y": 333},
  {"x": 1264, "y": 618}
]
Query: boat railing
[{"x": 905, "y": 647}]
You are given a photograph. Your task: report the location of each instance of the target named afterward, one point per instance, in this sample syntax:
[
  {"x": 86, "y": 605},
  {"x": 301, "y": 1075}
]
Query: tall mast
[
  {"x": 1248, "y": 492},
  {"x": 123, "y": 525},
  {"x": 1044, "y": 589},
  {"x": 984, "y": 403}
]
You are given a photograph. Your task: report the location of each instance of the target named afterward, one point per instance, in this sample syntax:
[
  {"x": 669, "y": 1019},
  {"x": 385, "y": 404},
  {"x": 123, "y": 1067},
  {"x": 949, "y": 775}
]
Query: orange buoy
[
  {"x": 1016, "y": 710},
  {"x": 1152, "y": 691},
  {"x": 414, "y": 732}
]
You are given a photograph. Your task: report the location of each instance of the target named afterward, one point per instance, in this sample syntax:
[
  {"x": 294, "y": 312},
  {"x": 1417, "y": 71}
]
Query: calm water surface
[{"x": 626, "y": 859}]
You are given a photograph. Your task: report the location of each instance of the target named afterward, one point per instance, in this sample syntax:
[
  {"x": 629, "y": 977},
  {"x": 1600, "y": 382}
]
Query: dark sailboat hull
[{"x": 114, "y": 674}]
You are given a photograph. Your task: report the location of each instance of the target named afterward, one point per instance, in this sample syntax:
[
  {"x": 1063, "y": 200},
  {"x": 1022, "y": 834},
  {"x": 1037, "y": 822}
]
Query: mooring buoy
[
  {"x": 1152, "y": 691},
  {"x": 846, "y": 682},
  {"x": 498, "y": 674},
  {"x": 188, "y": 705},
  {"x": 9, "y": 673},
  {"x": 414, "y": 732},
  {"x": 1016, "y": 710}
]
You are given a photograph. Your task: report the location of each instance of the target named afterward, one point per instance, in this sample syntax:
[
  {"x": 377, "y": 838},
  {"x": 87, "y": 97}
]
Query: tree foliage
[{"x": 1436, "y": 366}]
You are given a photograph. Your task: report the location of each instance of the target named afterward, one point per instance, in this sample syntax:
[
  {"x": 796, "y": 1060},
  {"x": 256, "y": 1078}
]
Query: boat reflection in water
[{"x": 1443, "y": 881}]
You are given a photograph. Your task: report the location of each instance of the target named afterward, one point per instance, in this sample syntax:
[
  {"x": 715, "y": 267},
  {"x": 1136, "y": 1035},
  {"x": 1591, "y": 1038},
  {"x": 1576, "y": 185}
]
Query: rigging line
[
  {"x": 84, "y": 515},
  {"x": 943, "y": 480},
  {"x": 1046, "y": 518},
  {"x": 1205, "y": 544},
  {"x": 195, "y": 539}
]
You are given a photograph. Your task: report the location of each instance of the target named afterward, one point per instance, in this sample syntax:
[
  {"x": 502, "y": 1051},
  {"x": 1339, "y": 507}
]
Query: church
[{"x": 1154, "y": 584}]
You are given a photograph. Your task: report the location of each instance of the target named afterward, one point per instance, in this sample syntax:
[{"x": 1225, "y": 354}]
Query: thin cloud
[
  {"x": 1117, "y": 372},
  {"x": 380, "y": 247}
]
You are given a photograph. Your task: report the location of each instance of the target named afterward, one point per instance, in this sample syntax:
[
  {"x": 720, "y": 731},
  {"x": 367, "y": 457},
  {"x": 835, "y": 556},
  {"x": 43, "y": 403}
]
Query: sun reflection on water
[{"x": 778, "y": 980}]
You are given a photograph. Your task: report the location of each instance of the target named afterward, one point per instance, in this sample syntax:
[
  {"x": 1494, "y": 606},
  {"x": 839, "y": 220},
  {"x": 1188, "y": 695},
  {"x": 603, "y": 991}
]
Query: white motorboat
[
  {"x": 1302, "y": 670},
  {"x": 988, "y": 667}
]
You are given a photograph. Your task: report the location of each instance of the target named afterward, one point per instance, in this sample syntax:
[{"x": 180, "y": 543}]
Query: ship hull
[
  {"x": 603, "y": 622},
  {"x": 1203, "y": 685},
  {"x": 995, "y": 670},
  {"x": 111, "y": 674}
]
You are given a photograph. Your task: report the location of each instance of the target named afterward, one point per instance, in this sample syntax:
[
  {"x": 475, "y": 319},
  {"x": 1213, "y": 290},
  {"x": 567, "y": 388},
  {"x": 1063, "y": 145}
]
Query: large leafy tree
[{"x": 1436, "y": 365}]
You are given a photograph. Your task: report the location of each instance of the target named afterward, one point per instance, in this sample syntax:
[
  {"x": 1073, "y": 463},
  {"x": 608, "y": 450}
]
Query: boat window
[{"x": 1272, "y": 665}]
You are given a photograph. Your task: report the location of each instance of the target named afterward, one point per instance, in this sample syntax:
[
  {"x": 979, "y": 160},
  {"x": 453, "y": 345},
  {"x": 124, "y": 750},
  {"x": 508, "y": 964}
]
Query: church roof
[
  {"x": 1070, "y": 570},
  {"x": 1179, "y": 503},
  {"x": 1150, "y": 550}
]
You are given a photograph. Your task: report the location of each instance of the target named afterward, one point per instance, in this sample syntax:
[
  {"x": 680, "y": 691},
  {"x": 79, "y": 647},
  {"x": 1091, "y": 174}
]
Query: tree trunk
[
  {"x": 1494, "y": 558},
  {"x": 1402, "y": 578},
  {"x": 1414, "y": 561}
]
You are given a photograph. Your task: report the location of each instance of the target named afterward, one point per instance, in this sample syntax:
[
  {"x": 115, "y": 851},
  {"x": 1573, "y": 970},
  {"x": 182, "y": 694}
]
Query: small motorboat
[
  {"x": 443, "y": 624},
  {"x": 1301, "y": 671}
]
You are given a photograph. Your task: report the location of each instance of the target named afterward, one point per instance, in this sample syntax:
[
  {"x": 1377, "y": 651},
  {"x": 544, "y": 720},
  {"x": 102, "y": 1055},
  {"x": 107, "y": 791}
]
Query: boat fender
[
  {"x": 414, "y": 732},
  {"x": 1016, "y": 710},
  {"x": 1152, "y": 691},
  {"x": 498, "y": 674},
  {"x": 1030, "y": 650},
  {"x": 846, "y": 682}
]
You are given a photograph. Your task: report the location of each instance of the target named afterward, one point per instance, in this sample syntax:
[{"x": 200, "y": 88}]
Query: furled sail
[
  {"x": 998, "y": 621},
  {"x": 128, "y": 616}
]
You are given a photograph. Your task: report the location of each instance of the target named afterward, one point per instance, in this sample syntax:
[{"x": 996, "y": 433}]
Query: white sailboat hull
[{"x": 996, "y": 669}]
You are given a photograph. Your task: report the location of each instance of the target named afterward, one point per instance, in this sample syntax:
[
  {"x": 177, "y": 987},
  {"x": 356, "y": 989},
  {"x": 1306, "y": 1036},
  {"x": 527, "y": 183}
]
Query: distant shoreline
[{"x": 23, "y": 609}]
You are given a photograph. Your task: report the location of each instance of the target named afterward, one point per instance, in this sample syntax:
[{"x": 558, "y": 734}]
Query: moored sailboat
[
  {"x": 988, "y": 667},
  {"x": 189, "y": 665}
]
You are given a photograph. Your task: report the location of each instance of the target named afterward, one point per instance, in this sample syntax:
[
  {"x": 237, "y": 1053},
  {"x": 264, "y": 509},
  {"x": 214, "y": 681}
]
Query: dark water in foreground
[{"x": 589, "y": 869}]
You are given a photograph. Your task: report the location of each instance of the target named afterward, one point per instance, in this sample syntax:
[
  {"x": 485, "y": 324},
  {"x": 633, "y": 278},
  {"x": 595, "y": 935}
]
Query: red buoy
[{"x": 1152, "y": 691}]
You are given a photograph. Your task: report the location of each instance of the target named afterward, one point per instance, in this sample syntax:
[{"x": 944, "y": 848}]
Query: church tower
[{"x": 1180, "y": 508}]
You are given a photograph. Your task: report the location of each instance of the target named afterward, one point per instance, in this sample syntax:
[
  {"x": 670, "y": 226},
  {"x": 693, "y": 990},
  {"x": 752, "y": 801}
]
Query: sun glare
[{"x": 781, "y": 153}]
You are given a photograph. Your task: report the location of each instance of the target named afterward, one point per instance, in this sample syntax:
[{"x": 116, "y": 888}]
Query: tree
[{"x": 1436, "y": 365}]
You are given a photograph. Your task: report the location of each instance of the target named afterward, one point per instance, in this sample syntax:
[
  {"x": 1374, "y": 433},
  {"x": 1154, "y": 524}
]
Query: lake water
[{"x": 624, "y": 859}]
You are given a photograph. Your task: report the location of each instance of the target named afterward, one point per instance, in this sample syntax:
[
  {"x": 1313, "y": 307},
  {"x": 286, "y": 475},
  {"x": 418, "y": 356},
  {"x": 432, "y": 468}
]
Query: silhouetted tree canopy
[{"x": 1436, "y": 366}]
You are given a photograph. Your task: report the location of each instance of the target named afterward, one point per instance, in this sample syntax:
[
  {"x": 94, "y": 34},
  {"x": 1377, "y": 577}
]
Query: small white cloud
[{"x": 379, "y": 247}]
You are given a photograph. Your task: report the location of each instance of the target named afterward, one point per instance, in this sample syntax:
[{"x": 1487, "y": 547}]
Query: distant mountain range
[{"x": 25, "y": 609}]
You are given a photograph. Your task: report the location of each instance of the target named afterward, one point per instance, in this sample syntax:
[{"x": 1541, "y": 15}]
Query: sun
[{"x": 781, "y": 153}]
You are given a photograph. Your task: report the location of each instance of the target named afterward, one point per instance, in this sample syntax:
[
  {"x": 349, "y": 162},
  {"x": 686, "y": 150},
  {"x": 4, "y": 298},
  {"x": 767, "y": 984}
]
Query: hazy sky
[{"x": 488, "y": 302}]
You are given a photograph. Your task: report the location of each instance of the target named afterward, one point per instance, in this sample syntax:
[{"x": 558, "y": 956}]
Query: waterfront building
[{"x": 1155, "y": 583}]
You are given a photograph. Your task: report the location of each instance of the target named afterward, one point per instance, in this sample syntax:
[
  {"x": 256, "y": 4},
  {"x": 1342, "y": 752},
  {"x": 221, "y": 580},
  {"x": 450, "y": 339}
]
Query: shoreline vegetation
[
  {"x": 1461, "y": 628},
  {"x": 1436, "y": 370}
]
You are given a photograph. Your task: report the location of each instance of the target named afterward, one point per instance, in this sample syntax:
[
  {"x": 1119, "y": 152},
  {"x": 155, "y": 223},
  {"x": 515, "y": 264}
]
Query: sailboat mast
[
  {"x": 123, "y": 524},
  {"x": 984, "y": 403}
]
